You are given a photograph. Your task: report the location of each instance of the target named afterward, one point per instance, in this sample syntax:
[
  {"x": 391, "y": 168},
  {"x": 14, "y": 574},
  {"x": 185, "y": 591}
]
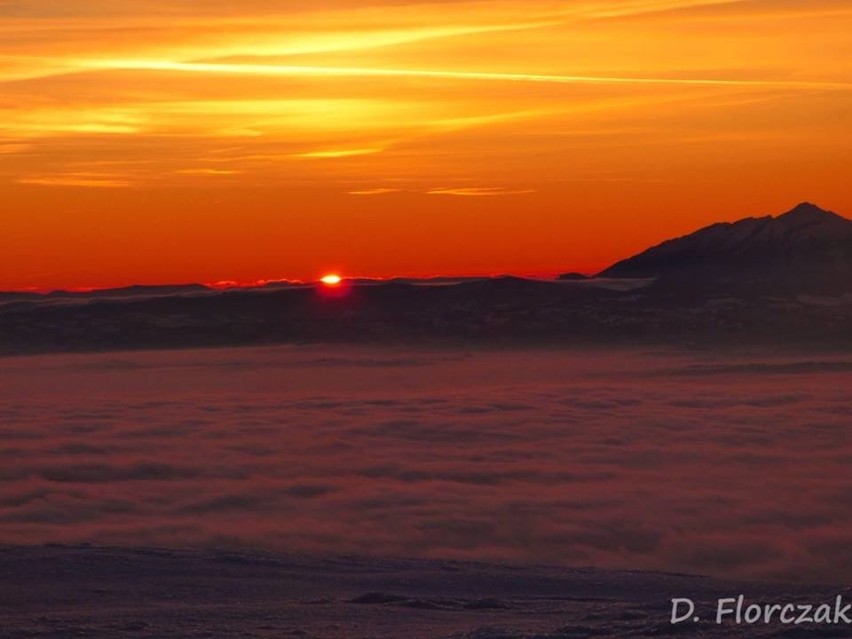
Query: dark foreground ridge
[
  {"x": 78, "y": 591},
  {"x": 783, "y": 280},
  {"x": 504, "y": 311}
]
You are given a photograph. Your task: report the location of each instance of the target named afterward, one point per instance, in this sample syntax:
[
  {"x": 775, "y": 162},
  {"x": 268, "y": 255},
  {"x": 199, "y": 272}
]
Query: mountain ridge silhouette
[{"x": 806, "y": 249}]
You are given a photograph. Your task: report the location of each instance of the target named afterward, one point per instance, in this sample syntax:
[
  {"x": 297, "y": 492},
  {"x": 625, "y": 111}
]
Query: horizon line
[{"x": 225, "y": 285}]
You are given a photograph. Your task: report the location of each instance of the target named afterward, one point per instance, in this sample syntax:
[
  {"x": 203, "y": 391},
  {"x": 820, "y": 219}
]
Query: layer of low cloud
[{"x": 729, "y": 466}]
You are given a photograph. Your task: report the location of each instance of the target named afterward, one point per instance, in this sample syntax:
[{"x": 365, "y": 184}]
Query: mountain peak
[
  {"x": 809, "y": 216},
  {"x": 808, "y": 210},
  {"x": 807, "y": 207}
]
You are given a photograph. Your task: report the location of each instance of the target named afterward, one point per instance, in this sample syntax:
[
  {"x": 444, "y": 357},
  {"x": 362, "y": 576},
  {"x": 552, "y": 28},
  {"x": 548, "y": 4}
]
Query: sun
[{"x": 331, "y": 279}]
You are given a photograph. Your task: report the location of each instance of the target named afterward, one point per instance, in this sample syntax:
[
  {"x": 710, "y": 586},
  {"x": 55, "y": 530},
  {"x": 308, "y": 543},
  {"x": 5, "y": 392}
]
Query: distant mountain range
[
  {"x": 123, "y": 292},
  {"x": 805, "y": 250},
  {"x": 783, "y": 280}
]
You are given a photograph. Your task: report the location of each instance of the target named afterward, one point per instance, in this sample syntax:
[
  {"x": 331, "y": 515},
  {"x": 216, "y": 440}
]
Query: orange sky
[{"x": 155, "y": 141}]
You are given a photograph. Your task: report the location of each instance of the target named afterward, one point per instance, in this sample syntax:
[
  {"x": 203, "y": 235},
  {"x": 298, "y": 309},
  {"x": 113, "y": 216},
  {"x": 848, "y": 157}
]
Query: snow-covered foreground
[{"x": 53, "y": 592}]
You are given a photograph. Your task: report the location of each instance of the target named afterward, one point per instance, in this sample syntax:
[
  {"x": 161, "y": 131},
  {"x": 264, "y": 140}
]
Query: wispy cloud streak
[
  {"x": 339, "y": 153},
  {"x": 478, "y": 191},
  {"x": 76, "y": 180},
  {"x": 366, "y": 72}
]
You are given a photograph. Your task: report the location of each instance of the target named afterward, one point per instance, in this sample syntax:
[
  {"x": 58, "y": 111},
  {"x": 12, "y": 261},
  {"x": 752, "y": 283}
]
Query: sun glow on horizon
[{"x": 332, "y": 279}]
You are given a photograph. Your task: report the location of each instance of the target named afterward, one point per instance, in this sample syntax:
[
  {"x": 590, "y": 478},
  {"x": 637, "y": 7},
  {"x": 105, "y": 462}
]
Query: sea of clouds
[{"x": 730, "y": 465}]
